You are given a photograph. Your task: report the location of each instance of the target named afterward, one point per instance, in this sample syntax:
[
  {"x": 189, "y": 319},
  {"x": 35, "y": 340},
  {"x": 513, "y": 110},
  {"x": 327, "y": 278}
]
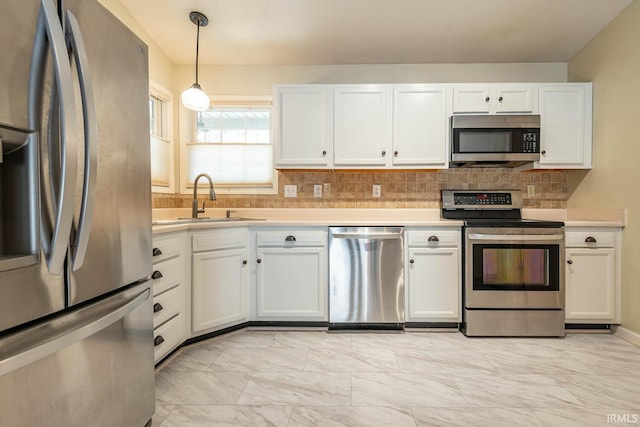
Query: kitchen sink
[{"x": 202, "y": 219}]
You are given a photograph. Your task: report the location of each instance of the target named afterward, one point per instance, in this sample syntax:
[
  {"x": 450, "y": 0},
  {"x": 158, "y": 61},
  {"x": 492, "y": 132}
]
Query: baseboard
[{"x": 629, "y": 335}]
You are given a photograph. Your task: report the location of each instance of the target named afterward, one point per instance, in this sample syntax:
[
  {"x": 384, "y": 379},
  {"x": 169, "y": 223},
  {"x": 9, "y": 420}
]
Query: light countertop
[{"x": 367, "y": 217}]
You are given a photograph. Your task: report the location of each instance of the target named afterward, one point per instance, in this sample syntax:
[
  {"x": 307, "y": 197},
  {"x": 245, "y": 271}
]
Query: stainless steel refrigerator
[{"x": 76, "y": 338}]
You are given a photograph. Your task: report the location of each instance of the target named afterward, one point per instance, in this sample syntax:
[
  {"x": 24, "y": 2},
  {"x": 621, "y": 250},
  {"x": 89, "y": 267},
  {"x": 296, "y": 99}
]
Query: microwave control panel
[{"x": 529, "y": 142}]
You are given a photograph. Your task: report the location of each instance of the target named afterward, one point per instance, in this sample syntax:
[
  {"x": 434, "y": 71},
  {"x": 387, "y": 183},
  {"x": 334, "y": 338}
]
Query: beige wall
[
  {"x": 257, "y": 80},
  {"x": 612, "y": 61}
]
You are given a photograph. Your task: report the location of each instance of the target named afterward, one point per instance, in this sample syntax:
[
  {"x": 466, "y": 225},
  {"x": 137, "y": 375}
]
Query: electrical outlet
[
  {"x": 377, "y": 190},
  {"x": 326, "y": 189},
  {"x": 531, "y": 190},
  {"x": 317, "y": 190},
  {"x": 290, "y": 191}
]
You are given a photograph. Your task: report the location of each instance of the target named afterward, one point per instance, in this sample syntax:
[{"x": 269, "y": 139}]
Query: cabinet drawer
[
  {"x": 433, "y": 238},
  {"x": 167, "y": 337},
  {"x": 167, "y": 246},
  {"x": 584, "y": 239},
  {"x": 219, "y": 239},
  {"x": 168, "y": 273},
  {"x": 291, "y": 238},
  {"x": 167, "y": 305}
]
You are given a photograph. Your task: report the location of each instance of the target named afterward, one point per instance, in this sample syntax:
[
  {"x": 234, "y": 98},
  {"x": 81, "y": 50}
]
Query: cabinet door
[
  {"x": 433, "y": 285},
  {"x": 474, "y": 99},
  {"x": 514, "y": 99},
  {"x": 361, "y": 126},
  {"x": 420, "y": 124},
  {"x": 219, "y": 288},
  {"x": 590, "y": 285},
  {"x": 565, "y": 126},
  {"x": 303, "y": 127},
  {"x": 291, "y": 283}
]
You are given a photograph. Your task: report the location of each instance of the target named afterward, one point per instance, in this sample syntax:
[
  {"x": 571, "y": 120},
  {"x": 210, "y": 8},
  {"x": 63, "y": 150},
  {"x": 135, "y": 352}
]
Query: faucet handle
[{"x": 202, "y": 210}]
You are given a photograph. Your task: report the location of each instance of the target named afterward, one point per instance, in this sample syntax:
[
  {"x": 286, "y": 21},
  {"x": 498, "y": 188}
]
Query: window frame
[
  {"x": 188, "y": 128},
  {"x": 160, "y": 92}
]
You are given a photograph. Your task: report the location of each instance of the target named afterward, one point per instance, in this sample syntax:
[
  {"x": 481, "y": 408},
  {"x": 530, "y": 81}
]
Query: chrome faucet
[{"x": 212, "y": 195}]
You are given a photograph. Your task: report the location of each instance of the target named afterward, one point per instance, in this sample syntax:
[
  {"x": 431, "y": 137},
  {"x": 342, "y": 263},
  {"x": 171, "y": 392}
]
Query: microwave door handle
[
  {"x": 55, "y": 246},
  {"x": 520, "y": 237},
  {"x": 79, "y": 247}
]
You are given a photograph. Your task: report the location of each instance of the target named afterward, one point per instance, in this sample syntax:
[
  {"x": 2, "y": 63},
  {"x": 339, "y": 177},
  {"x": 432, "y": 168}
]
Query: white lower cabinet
[
  {"x": 433, "y": 275},
  {"x": 219, "y": 279},
  {"x": 592, "y": 277},
  {"x": 291, "y": 275},
  {"x": 170, "y": 293}
]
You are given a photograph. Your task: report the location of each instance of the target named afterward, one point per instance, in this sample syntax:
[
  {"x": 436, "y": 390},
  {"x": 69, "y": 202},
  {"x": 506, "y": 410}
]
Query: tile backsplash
[{"x": 399, "y": 189}]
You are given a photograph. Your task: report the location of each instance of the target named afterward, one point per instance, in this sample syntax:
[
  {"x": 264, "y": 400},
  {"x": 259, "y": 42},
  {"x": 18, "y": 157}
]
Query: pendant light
[{"x": 194, "y": 98}]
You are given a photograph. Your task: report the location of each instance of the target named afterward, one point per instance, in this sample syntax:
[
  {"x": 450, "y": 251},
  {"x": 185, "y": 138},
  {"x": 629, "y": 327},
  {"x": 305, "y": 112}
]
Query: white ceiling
[{"x": 272, "y": 32}]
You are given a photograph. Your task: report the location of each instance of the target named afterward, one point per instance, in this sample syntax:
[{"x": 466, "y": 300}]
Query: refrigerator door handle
[
  {"x": 32, "y": 344},
  {"x": 79, "y": 247},
  {"x": 56, "y": 244}
]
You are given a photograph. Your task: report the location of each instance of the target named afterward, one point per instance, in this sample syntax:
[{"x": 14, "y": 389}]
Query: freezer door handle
[
  {"x": 30, "y": 345},
  {"x": 79, "y": 247},
  {"x": 55, "y": 245}
]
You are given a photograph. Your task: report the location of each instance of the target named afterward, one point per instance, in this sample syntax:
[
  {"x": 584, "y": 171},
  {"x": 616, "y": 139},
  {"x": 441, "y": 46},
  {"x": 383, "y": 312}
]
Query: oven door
[{"x": 514, "y": 268}]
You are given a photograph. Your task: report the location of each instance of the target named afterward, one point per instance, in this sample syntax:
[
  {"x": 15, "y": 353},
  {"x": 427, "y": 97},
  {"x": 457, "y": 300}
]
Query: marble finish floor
[{"x": 315, "y": 378}]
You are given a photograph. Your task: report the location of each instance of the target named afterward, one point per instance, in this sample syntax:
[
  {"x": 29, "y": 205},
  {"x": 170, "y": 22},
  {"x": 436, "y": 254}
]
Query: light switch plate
[
  {"x": 291, "y": 190},
  {"x": 317, "y": 190},
  {"x": 377, "y": 190},
  {"x": 531, "y": 190}
]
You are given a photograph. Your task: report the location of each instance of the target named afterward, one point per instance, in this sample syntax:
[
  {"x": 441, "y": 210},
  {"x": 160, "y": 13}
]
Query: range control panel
[{"x": 475, "y": 199}]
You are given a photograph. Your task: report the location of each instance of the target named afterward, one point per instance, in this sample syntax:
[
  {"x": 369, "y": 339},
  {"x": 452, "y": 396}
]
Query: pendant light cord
[{"x": 197, "y": 49}]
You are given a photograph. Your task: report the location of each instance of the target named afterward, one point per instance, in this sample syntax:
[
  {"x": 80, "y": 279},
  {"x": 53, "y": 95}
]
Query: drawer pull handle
[
  {"x": 157, "y": 252},
  {"x": 158, "y": 340},
  {"x": 590, "y": 240},
  {"x": 157, "y": 307},
  {"x": 290, "y": 239},
  {"x": 244, "y": 262},
  {"x": 156, "y": 275},
  {"x": 569, "y": 262},
  {"x": 433, "y": 239},
  {"x": 412, "y": 261}
]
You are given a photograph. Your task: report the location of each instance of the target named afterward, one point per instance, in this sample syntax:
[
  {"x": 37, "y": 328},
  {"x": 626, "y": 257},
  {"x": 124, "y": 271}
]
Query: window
[
  {"x": 160, "y": 128},
  {"x": 232, "y": 143}
]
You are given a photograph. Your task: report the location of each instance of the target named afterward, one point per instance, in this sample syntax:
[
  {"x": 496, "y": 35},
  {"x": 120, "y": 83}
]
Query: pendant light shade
[{"x": 194, "y": 98}]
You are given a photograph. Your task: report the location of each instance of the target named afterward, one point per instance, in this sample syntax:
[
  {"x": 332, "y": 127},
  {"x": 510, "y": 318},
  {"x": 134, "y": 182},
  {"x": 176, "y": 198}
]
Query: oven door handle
[{"x": 522, "y": 237}]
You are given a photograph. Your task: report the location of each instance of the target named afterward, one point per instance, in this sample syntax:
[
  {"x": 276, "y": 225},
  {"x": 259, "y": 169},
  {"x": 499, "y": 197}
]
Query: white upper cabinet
[
  {"x": 494, "y": 98},
  {"x": 565, "y": 126},
  {"x": 362, "y": 131},
  {"x": 420, "y": 126},
  {"x": 303, "y": 126}
]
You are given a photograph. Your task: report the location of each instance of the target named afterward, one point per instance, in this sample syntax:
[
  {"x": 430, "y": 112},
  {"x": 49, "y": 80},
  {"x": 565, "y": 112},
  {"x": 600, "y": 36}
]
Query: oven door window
[{"x": 516, "y": 267}]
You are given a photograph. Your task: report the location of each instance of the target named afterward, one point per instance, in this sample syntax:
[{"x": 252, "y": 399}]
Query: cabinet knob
[
  {"x": 158, "y": 340},
  {"x": 244, "y": 262},
  {"x": 157, "y": 252},
  {"x": 487, "y": 99},
  {"x": 590, "y": 240},
  {"x": 258, "y": 260},
  {"x": 411, "y": 261},
  {"x": 157, "y": 307},
  {"x": 290, "y": 238},
  {"x": 569, "y": 262},
  {"x": 433, "y": 239},
  {"x": 384, "y": 153},
  {"x": 543, "y": 152},
  {"x": 500, "y": 99},
  {"x": 395, "y": 153},
  {"x": 156, "y": 275},
  {"x": 324, "y": 152}
]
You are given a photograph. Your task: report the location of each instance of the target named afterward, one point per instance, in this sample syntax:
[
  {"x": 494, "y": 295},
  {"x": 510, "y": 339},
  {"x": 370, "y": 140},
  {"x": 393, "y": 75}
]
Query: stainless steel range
[{"x": 513, "y": 273}]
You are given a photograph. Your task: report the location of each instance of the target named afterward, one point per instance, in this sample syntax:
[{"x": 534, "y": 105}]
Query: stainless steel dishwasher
[{"x": 366, "y": 278}]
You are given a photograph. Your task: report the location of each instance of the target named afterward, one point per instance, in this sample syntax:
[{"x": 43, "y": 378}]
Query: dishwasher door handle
[{"x": 376, "y": 236}]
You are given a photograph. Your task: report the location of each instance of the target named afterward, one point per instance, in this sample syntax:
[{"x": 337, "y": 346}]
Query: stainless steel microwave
[{"x": 494, "y": 140}]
